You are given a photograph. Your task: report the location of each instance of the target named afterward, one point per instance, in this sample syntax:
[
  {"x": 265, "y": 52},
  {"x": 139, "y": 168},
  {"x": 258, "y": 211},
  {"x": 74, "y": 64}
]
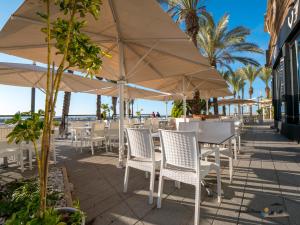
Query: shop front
[{"x": 286, "y": 75}]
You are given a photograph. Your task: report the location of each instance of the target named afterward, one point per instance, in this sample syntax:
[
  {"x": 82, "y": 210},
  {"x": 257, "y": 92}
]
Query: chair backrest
[
  {"x": 180, "y": 148},
  {"x": 189, "y": 126},
  {"x": 140, "y": 143},
  {"x": 155, "y": 124},
  {"x": 98, "y": 129},
  {"x": 4, "y": 131},
  {"x": 114, "y": 125},
  {"x": 215, "y": 128}
]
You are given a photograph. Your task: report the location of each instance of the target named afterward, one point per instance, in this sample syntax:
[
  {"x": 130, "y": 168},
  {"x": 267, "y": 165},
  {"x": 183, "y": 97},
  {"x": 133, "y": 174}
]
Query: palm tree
[
  {"x": 250, "y": 73},
  {"x": 265, "y": 76},
  {"x": 187, "y": 11},
  {"x": 114, "y": 101},
  {"x": 98, "y": 107},
  {"x": 65, "y": 111},
  {"x": 222, "y": 46},
  {"x": 236, "y": 81}
]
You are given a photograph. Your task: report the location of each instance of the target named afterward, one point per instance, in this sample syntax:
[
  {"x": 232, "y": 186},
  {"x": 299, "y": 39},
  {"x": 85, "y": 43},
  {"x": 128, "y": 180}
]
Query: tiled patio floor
[{"x": 267, "y": 172}]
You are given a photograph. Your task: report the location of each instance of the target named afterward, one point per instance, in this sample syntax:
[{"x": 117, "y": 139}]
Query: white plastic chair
[
  {"x": 181, "y": 162},
  {"x": 97, "y": 135},
  {"x": 141, "y": 155},
  {"x": 113, "y": 133},
  {"x": 12, "y": 151}
]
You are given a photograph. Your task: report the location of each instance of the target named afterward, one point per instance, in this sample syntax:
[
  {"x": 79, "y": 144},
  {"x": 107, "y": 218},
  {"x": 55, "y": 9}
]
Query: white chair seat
[
  {"x": 145, "y": 163},
  {"x": 188, "y": 176}
]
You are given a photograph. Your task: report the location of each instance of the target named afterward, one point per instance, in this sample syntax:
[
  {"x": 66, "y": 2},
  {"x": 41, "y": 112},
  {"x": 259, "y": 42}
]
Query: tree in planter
[
  {"x": 106, "y": 111},
  {"x": 65, "y": 112},
  {"x": 76, "y": 50},
  {"x": 222, "y": 46},
  {"x": 188, "y": 12},
  {"x": 98, "y": 107}
]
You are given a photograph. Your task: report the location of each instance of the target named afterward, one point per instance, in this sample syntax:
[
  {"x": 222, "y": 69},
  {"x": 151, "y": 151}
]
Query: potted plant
[
  {"x": 64, "y": 37},
  {"x": 106, "y": 111},
  {"x": 139, "y": 114}
]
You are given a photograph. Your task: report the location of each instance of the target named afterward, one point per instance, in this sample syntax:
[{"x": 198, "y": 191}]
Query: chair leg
[
  {"x": 126, "y": 179},
  {"x": 239, "y": 140},
  {"x": 160, "y": 190},
  {"x": 197, "y": 203},
  {"x": 230, "y": 169},
  {"x": 218, "y": 184},
  {"x": 151, "y": 189},
  {"x": 235, "y": 148},
  {"x": 92, "y": 147}
]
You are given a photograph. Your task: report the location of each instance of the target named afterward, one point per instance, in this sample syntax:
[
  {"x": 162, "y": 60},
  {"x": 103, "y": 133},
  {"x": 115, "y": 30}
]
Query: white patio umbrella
[
  {"x": 129, "y": 93},
  {"x": 144, "y": 42},
  {"x": 28, "y": 75},
  {"x": 182, "y": 85},
  {"x": 207, "y": 94},
  {"x": 170, "y": 97}
]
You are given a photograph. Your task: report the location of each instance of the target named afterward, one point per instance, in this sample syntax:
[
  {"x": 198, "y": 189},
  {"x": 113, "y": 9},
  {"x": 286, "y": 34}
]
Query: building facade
[{"x": 282, "y": 22}]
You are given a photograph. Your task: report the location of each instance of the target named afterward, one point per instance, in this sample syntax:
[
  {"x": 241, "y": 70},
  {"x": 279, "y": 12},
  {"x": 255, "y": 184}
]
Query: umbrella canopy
[
  {"x": 139, "y": 30},
  {"x": 28, "y": 75},
  {"x": 233, "y": 101},
  {"x": 214, "y": 93},
  {"x": 205, "y": 80},
  {"x": 129, "y": 92},
  {"x": 168, "y": 97},
  {"x": 144, "y": 42}
]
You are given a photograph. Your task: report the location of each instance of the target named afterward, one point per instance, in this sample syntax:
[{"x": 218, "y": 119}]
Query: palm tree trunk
[
  {"x": 243, "y": 92},
  {"x": 65, "y": 112},
  {"x": 114, "y": 105},
  {"x": 98, "y": 107},
  {"x": 216, "y": 107},
  {"x": 132, "y": 103},
  {"x": 250, "y": 105}
]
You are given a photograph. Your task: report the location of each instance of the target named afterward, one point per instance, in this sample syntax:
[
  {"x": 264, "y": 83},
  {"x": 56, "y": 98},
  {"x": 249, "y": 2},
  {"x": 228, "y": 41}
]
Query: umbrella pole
[
  {"x": 166, "y": 110},
  {"x": 207, "y": 106},
  {"x": 32, "y": 100},
  {"x": 121, "y": 84},
  {"x": 184, "y": 99},
  {"x": 121, "y": 122}
]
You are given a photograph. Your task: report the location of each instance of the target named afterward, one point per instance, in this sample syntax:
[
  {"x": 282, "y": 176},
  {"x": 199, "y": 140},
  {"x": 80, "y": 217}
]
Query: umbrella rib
[
  {"x": 175, "y": 56},
  {"x": 147, "y": 62},
  {"x": 116, "y": 19},
  {"x": 142, "y": 59}
]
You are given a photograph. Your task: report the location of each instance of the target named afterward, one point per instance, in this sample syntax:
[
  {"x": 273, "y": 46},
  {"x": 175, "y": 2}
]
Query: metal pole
[
  {"x": 207, "y": 106},
  {"x": 127, "y": 108},
  {"x": 32, "y": 100},
  {"x": 166, "y": 110},
  {"x": 184, "y": 99},
  {"x": 121, "y": 84}
]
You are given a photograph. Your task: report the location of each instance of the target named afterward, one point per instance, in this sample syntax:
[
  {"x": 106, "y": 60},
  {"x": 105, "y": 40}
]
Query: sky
[{"x": 248, "y": 13}]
